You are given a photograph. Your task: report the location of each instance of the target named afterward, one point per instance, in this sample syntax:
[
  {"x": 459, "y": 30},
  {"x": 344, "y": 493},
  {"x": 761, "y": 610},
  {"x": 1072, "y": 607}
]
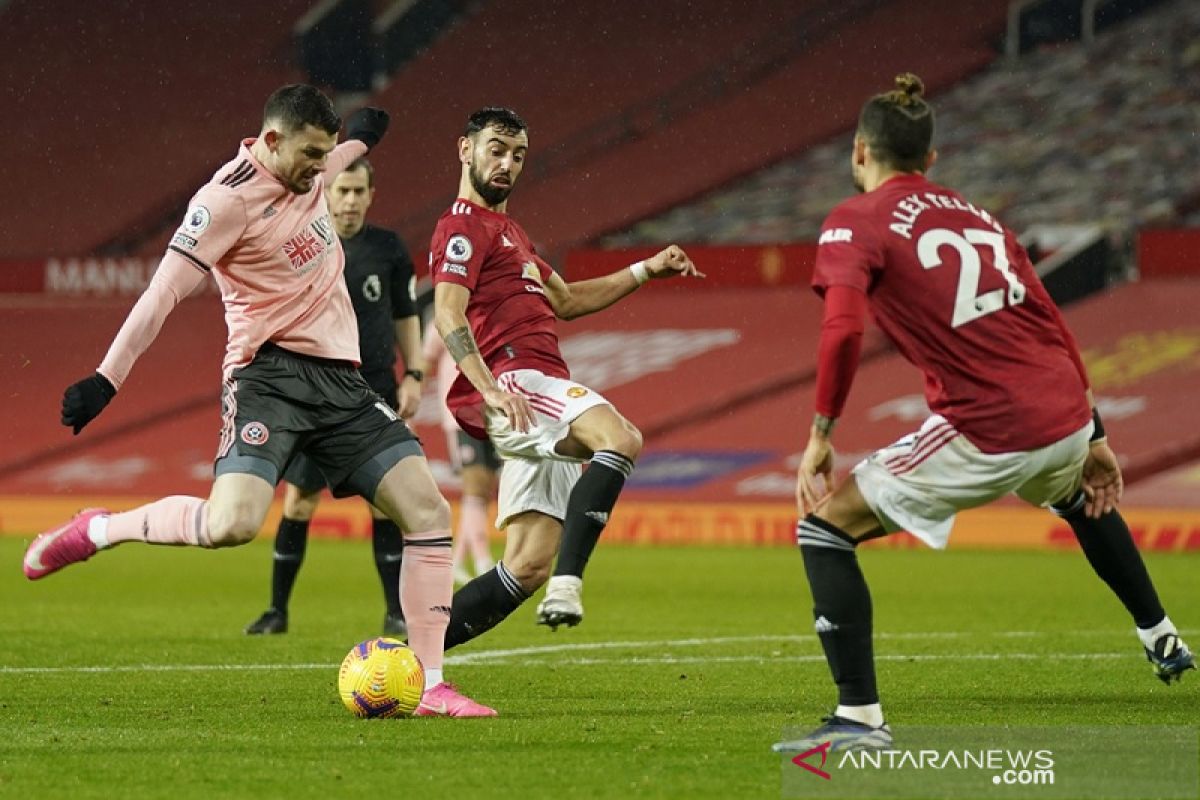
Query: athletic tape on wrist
[{"x": 640, "y": 273}]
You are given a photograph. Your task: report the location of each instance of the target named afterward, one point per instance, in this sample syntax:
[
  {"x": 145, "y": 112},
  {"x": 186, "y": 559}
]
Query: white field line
[{"x": 527, "y": 656}]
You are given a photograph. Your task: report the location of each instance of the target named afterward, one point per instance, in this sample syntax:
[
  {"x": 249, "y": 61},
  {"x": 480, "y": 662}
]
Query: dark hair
[
  {"x": 505, "y": 120},
  {"x": 299, "y": 104},
  {"x": 898, "y": 125},
  {"x": 362, "y": 163}
]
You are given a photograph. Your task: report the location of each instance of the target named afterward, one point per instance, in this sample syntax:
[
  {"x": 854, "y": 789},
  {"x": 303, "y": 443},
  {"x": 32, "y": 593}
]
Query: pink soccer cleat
[
  {"x": 65, "y": 545},
  {"x": 444, "y": 700}
]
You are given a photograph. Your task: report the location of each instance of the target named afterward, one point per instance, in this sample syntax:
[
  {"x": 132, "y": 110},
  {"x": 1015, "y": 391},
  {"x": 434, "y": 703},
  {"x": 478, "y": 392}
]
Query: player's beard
[{"x": 492, "y": 195}]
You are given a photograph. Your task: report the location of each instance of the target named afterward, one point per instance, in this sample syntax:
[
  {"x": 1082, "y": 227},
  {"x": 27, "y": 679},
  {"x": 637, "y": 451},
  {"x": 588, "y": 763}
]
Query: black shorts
[
  {"x": 283, "y": 404},
  {"x": 472, "y": 451},
  {"x": 303, "y": 473}
]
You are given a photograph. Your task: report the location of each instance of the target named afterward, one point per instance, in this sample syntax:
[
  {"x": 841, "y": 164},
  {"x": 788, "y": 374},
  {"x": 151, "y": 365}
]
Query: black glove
[
  {"x": 84, "y": 400},
  {"x": 368, "y": 125}
]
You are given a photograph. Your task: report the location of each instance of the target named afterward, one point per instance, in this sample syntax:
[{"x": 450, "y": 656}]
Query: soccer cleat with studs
[
  {"x": 1170, "y": 657},
  {"x": 842, "y": 734},
  {"x": 562, "y": 605},
  {"x": 65, "y": 545},
  {"x": 444, "y": 700}
]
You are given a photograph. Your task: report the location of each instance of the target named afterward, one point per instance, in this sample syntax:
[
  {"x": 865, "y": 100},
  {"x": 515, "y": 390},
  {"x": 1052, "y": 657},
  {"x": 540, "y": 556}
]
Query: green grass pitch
[{"x": 129, "y": 676}]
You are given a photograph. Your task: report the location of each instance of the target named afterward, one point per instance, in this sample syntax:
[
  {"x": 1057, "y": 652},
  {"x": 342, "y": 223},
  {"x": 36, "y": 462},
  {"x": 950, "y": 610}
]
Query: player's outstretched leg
[
  {"x": 291, "y": 541},
  {"x": 173, "y": 520},
  {"x": 1110, "y": 549},
  {"x": 842, "y": 614}
]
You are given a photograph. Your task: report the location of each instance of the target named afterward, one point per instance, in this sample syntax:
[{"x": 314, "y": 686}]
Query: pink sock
[
  {"x": 175, "y": 520},
  {"x": 426, "y": 589},
  {"x": 473, "y": 530}
]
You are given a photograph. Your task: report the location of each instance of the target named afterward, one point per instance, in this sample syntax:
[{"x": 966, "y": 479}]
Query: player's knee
[
  {"x": 627, "y": 441},
  {"x": 232, "y": 527},
  {"x": 531, "y": 571},
  {"x": 431, "y": 514}
]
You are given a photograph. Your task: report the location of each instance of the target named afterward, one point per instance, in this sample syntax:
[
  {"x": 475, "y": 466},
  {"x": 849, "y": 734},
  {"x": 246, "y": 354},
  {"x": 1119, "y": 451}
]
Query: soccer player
[
  {"x": 475, "y": 461},
  {"x": 261, "y": 227},
  {"x": 379, "y": 277},
  {"x": 496, "y": 302},
  {"x": 1012, "y": 408}
]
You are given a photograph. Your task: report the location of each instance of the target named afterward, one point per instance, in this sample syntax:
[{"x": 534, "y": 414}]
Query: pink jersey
[
  {"x": 510, "y": 317},
  {"x": 276, "y": 258},
  {"x": 958, "y": 296}
]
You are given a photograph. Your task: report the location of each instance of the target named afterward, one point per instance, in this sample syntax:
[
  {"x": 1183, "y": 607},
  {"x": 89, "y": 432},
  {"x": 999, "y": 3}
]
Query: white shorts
[
  {"x": 919, "y": 483},
  {"x": 535, "y": 477}
]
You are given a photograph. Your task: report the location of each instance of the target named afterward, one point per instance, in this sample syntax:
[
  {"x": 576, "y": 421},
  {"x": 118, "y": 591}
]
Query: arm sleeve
[
  {"x": 343, "y": 156},
  {"x": 175, "y": 278},
  {"x": 404, "y": 282},
  {"x": 849, "y": 251},
  {"x": 215, "y": 221},
  {"x": 457, "y": 251},
  {"x": 839, "y": 347}
]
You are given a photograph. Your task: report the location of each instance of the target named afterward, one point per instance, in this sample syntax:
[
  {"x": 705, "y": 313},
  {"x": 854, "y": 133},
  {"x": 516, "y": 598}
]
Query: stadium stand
[
  {"x": 730, "y": 92},
  {"x": 1071, "y": 134},
  {"x": 124, "y": 105}
]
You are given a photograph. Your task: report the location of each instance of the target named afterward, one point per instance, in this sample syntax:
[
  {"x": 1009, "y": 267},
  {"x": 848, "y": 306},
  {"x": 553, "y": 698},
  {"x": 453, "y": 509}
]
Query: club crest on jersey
[
  {"x": 459, "y": 248},
  {"x": 307, "y": 249},
  {"x": 372, "y": 288},
  {"x": 576, "y": 391},
  {"x": 255, "y": 433},
  {"x": 198, "y": 218}
]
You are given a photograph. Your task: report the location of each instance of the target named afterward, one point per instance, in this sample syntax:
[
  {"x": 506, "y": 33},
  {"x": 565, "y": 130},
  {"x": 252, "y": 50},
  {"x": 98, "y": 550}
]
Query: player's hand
[
  {"x": 83, "y": 401},
  {"x": 408, "y": 397},
  {"x": 368, "y": 125},
  {"x": 513, "y": 406},
  {"x": 816, "y": 461},
  {"x": 670, "y": 262},
  {"x": 1102, "y": 482}
]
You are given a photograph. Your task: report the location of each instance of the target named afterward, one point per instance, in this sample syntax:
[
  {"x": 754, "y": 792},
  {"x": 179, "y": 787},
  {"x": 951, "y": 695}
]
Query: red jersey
[
  {"x": 510, "y": 316},
  {"x": 958, "y": 296}
]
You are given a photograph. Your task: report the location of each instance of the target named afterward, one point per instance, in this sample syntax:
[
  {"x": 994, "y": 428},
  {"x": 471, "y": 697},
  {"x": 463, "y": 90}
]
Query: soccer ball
[{"x": 381, "y": 678}]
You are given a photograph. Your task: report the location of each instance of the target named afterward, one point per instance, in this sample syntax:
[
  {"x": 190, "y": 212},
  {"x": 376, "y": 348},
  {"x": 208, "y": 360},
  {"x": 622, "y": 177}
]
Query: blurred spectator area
[
  {"x": 124, "y": 108},
  {"x": 1071, "y": 134}
]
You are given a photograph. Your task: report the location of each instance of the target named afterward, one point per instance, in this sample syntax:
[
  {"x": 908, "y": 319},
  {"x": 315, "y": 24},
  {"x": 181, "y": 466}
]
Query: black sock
[
  {"x": 483, "y": 604},
  {"x": 388, "y": 544},
  {"x": 588, "y": 507},
  {"x": 290, "y": 542},
  {"x": 1110, "y": 550},
  {"x": 841, "y": 609}
]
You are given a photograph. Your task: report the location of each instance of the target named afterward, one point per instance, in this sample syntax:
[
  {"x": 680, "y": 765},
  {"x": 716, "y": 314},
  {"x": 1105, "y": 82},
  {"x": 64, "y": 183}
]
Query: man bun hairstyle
[
  {"x": 298, "y": 104},
  {"x": 505, "y": 120},
  {"x": 898, "y": 125}
]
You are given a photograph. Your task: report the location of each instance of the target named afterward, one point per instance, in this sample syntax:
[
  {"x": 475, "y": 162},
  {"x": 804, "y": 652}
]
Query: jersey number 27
[{"x": 968, "y": 304}]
